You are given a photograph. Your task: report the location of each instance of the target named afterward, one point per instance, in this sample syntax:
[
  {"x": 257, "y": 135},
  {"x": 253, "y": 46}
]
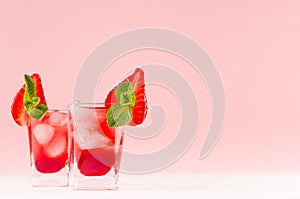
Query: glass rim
[
  {"x": 57, "y": 110},
  {"x": 49, "y": 111},
  {"x": 89, "y": 105}
]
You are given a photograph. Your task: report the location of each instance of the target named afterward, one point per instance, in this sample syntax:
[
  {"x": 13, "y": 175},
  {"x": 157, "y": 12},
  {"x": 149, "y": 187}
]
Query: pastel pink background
[{"x": 254, "y": 44}]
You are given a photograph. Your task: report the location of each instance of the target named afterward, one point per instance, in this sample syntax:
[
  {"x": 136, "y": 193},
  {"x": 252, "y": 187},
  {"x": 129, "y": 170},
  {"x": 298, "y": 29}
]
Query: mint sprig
[
  {"x": 31, "y": 101},
  {"x": 125, "y": 93},
  {"x": 120, "y": 113}
]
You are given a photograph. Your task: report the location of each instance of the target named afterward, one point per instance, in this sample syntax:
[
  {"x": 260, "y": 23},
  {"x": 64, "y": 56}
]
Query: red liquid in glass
[
  {"x": 49, "y": 142},
  {"x": 99, "y": 161}
]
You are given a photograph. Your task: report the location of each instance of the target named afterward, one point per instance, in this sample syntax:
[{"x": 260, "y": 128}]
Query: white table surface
[{"x": 281, "y": 185}]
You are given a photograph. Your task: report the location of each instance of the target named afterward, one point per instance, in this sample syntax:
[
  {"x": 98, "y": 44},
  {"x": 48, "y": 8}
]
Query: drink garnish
[
  {"x": 120, "y": 113},
  {"x": 35, "y": 100},
  {"x": 127, "y": 102},
  {"x": 32, "y": 101}
]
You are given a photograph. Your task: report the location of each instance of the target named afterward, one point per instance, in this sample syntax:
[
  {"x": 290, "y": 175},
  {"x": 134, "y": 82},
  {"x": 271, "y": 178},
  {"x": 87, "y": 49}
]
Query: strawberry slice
[
  {"x": 17, "y": 109},
  {"x": 139, "y": 110}
]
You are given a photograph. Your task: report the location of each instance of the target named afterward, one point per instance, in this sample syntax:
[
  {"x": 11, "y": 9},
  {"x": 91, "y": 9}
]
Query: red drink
[
  {"x": 97, "y": 147},
  {"x": 49, "y": 143}
]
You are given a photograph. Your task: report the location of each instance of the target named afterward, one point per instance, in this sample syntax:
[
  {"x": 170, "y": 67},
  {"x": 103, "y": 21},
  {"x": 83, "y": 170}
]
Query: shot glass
[
  {"x": 49, "y": 149},
  {"x": 97, "y": 148}
]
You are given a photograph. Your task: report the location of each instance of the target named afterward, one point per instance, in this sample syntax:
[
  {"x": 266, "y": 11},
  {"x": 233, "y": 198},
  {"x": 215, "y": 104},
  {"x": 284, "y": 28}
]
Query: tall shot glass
[
  {"x": 97, "y": 148},
  {"x": 49, "y": 149}
]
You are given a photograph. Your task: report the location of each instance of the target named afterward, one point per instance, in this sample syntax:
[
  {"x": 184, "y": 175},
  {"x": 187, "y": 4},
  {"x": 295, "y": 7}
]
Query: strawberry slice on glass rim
[
  {"x": 30, "y": 99},
  {"x": 127, "y": 101}
]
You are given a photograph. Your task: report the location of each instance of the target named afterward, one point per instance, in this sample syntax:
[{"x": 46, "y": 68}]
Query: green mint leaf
[
  {"x": 126, "y": 99},
  {"x": 28, "y": 104},
  {"x": 118, "y": 115},
  {"x": 123, "y": 88},
  {"x": 125, "y": 93},
  {"x": 30, "y": 89},
  {"x": 31, "y": 101},
  {"x": 132, "y": 100},
  {"x": 38, "y": 112},
  {"x": 36, "y": 100}
]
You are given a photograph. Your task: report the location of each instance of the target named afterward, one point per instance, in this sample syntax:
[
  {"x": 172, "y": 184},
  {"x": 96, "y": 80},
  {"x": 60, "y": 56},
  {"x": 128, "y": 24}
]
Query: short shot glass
[
  {"x": 97, "y": 148},
  {"x": 49, "y": 149}
]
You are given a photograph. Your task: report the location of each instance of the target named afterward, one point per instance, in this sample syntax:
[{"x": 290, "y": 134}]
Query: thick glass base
[
  {"x": 57, "y": 179},
  {"x": 108, "y": 181}
]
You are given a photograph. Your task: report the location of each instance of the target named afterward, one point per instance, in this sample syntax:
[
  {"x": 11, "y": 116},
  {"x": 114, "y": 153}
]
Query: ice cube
[
  {"x": 88, "y": 131},
  {"x": 91, "y": 139},
  {"x": 43, "y": 133},
  {"x": 58, "y": 119},
  {"x": 85, "y": 119},
  {"x": 57, "y": 146}
]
